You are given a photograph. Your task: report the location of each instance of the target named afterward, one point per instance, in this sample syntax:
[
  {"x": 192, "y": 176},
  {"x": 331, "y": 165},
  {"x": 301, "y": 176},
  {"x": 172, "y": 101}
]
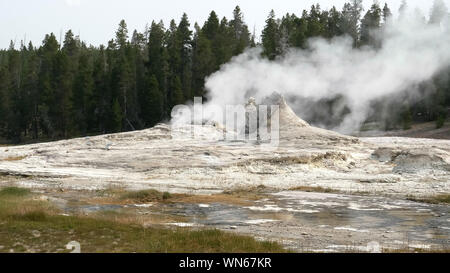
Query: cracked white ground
[{"x": 306, "y": 156}]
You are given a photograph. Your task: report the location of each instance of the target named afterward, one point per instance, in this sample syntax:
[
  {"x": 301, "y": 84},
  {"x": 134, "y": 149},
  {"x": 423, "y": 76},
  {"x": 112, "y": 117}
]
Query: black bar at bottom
[{"x": 222, "y": 262}]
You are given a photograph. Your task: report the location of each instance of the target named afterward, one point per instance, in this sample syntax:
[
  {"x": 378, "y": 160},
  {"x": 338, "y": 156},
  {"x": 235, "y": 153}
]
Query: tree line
[{"x": 64, "y": 89}]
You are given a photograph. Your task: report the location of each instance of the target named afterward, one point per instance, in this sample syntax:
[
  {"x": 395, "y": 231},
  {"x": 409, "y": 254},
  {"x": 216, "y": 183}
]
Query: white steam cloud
[
  {"x": 412, "y": 52},
  {"x": 73, "y": 3}
]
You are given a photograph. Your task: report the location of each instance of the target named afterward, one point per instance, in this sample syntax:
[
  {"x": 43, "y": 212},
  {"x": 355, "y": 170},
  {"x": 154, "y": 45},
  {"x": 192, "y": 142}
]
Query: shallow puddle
[
  {"x": 411, "y": 222},
  {"x": 322, "y": 221}
]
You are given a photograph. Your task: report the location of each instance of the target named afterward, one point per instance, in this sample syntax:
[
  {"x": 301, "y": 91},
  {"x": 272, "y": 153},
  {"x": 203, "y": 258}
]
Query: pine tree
[
  {"x": 286, "y": 31},
  {"x": 174, "y": 62},
  {"x": 387, "y": 14},
  {"x": 177, "y": 97},
  {"x": 30, "y": 92},
  {"x": 71, "y": 44},
  {"x": 7, "y": 107},
  {"x": 123, "y": 78},
  {"x": 122, "y": 35},
  {"x": 211, "y": 32},
  {"x": 138, "y": 40},
  {"x": 136, "y": 53},
  {"x": 314, "y": 25},
  {"x": 3, "y": 100},
  {"x": 157, "y": 55},
  {"x": 402, "y": 10},
  {"x": 351, "y": 15},
  {"x": 334, "y": 27},
  {"x": 47, "y": 94},
  {"x": 115, "y": 119},
  {"x": 224, "y": 42},
  {"x": 101, "y": 91},
  {"x": 370, "y": 24},
  {"x": 83, "y": 101},
  {"x": 270, "y": 37},
  {"x": 240, "y": 30},
  {"x": 60, "y": 112},
  {"x": 299, "y": 35},
  {"x": 438, "y": 12},
  {"x": 202, "y": 62},
  {"x": 211, "y": 26},
  {"x": 152, "y": 102},
  {"x": 184, "y": 37},
  {"x": 123, "y": 85}
]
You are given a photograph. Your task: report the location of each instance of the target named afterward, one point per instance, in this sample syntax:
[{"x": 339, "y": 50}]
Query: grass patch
[
  {"x": 105, "y": 236},
  {"x": 13, "y": 191},
  {"x": 238, "y": 196},
  {"x": 444, "y": 198},
  {"x": 234, "y": 197},
  {"x": 438, "y": 199},
  {"x": 245, "y": 199},
  {"x": 315, "y": 189},
  {"x": 14, "y": 158},
  {"x": 27, "y": 225},
  {"x": 242, "y": 196},
  {"x": 246, "y": 191},
  {"x": 34, "y": 216},
  {"x": 415, "y": 250},
  {"x": 146, "y": 196}
]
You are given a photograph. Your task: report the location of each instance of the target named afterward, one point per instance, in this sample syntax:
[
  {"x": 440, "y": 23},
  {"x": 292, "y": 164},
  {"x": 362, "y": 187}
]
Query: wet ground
[{"x": 307, "y": 222}]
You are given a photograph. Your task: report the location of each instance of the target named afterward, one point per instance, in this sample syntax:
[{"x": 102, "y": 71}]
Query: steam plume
[{"x": 412, "y": 52}]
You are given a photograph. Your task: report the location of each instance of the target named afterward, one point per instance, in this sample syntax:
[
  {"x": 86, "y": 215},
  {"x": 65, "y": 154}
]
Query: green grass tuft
[
  {"x": 438, "y": 199},
  {"x": 166, "y": 196},
  {"x": 314, "y": 189},
  {"x": 33, "y": 216},
  {"x": 14, "y": 192},
  {"x": 146, "y": 196}
]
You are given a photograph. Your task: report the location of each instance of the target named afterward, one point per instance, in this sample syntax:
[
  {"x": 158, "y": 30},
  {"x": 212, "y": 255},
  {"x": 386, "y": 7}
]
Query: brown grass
[
  {"x": 327, "y": 190},
  {"x": 146, "y": 196},
  {"x": 416, "y": 250},
  {"x": 314, "y": 189},
  {"x": 130, "y": 217},
  {"x": 307, "y": 159},
  {"x": 438, "y": 199},
  {"x": 14, "y": 158},
  {"x": 242, "y": 196},
  {"x": 217, "y": 198}
]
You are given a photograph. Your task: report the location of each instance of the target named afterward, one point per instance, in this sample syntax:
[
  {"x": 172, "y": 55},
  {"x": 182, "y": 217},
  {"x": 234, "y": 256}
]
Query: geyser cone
[
  {"x": 292, "y": 126},
  {"x": 287, "y": 116}
]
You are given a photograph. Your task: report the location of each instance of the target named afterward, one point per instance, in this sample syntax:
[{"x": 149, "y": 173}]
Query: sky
[{"x": 96, "y": 20}]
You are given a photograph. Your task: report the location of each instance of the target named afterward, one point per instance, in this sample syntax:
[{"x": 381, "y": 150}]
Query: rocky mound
[
  {"x": 414, "y": 160},
  {"x": 293, "y": 127}
]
